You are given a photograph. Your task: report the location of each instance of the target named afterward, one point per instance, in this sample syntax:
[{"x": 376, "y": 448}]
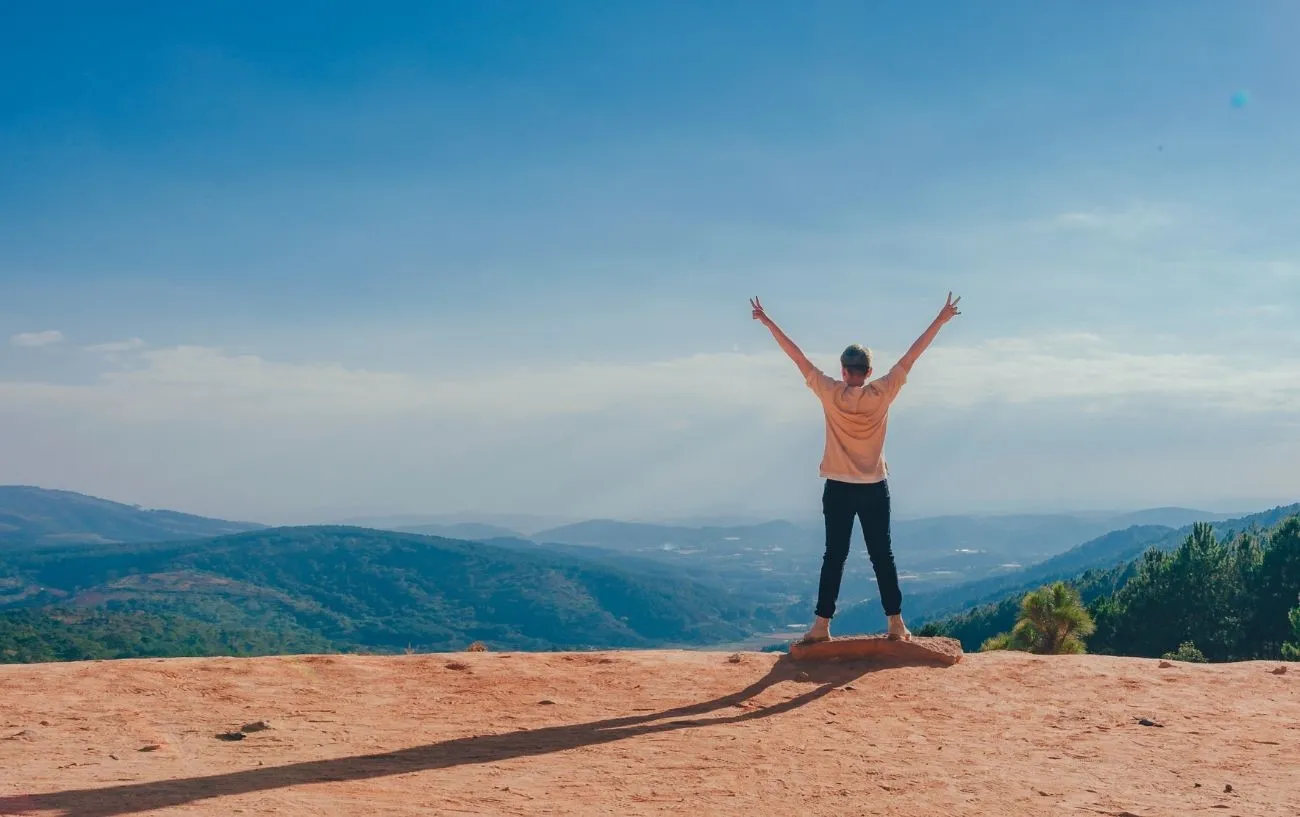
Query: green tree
[
  {"x": 1274, "y": 588},
  {"x": 1196, "y": 593},
  {"x": 1186, "y": 652},
  {"x": 1002, "y": 641},
  {"x": 1053, "y": 621},
  {"x": 1291, "y": 649},
  {"x": 1106, "y": 617},
  {"x": 1234, "y": 599}
]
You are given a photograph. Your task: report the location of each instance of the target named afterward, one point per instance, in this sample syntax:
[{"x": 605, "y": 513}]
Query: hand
[
  {"x": 949, "y": 309},
  {"x": 759, "y": 314}
]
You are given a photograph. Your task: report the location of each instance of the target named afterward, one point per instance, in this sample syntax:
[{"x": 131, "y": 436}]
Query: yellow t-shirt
[{"x": 856, "y": 419}]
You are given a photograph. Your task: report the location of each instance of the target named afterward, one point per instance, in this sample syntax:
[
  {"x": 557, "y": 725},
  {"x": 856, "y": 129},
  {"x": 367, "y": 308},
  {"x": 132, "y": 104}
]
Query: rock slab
[{"x": 919, "y": 650}]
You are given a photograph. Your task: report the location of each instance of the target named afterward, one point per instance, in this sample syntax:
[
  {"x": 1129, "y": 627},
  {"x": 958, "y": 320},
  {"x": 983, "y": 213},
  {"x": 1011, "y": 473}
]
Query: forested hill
[
  {"x": 380, "y": 590},
  {"x": 37, "y": 516},
  {"x": 1104, "y": 552},
  {"x": 1228, "y": 597}
]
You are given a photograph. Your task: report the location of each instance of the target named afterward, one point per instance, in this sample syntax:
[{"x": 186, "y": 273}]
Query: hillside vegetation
[
  {"x": 777, "y": 563},
  {"x": 364, "y": 589},
  {"x": 36, "y": 516},
  {"x": 774, "y": 564},
  {"x": 1218, "y": 598},
  {"x": 70, "y": 634},
  {"x": 68, "y": 591},
  {"x": 1101, "y": 554}
]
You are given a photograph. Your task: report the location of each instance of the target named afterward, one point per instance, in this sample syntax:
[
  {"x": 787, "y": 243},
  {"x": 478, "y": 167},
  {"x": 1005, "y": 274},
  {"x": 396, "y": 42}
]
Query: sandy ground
[{"x": 649, "y": 733}]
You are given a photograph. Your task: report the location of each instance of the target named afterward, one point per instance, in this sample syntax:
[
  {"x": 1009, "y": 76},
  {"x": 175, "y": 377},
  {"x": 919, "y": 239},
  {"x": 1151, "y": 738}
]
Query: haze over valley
[{"x": 71, "y": 563}]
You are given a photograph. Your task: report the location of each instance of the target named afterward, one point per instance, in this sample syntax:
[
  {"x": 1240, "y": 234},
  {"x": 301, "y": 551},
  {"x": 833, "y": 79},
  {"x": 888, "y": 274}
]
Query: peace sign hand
[
  {"x": 759, "y": 314},
  {"x": 949, "y": 309}
]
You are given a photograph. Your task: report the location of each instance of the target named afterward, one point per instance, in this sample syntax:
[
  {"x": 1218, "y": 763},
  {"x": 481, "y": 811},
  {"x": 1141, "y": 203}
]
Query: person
[{"x": 853, "y": 464}]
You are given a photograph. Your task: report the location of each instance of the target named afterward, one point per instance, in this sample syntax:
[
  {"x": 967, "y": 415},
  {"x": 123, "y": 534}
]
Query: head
[{"x": 856, "y": 364}]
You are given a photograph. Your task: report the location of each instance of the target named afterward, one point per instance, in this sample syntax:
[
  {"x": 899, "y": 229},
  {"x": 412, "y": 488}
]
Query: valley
[{"x": 588, "y": 585}]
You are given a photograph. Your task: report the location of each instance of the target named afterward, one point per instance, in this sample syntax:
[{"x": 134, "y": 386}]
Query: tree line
[{"x": 1231, "y": 599}]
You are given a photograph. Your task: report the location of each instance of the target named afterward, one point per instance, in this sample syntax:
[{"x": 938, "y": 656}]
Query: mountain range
[
  {"x": 31, "y": 515},
  {"x": 1105, "y": 551},
  {"x": 780, "y": 560},
  {"x": 367, "y": 589},
  {"x": 76, "y": 564}
]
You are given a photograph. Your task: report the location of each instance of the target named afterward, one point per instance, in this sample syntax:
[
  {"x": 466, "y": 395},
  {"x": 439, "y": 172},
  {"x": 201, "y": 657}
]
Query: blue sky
[{"x": 289, "y": 261}]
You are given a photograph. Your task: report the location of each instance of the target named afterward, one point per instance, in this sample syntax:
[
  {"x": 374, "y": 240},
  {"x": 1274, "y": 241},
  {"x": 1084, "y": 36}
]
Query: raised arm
[
  {"x": 922, "y": 343},
  {"x": 787, "y": 345}
]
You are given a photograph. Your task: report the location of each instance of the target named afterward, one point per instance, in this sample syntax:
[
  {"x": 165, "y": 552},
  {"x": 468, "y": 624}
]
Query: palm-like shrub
[{"x": 1053, "y": 621}]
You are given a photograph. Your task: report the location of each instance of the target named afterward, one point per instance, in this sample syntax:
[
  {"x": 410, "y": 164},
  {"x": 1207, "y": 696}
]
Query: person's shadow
[{"x": 138, "y": 797}]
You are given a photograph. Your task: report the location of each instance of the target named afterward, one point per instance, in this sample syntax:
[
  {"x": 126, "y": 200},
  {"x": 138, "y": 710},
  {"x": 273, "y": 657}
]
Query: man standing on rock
[{"x": 853, "y": 465}]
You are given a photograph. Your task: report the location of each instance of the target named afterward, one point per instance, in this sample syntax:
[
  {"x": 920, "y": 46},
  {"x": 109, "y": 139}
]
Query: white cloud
[
  {"x": 1251, "y": 310},
  {"x": 1077, "y": 366},
  {"x": 116, "y": 346},
  {"x": 191, "y": 426},
  {"x": 1086, "y": 367},
  {"x": 33, "y": 339},
  {"x": 1132, "y": 220},
  {"x": 1283, "y": 270}
]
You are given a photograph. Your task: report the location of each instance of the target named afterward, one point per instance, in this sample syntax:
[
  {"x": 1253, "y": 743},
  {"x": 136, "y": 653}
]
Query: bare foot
[
  {"x": 898, "y": 630},
  {"x": 821, "y": 631}
]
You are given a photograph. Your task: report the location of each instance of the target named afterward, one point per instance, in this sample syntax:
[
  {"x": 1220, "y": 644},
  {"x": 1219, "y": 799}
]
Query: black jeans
[{"x": 869, "y": 503}]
